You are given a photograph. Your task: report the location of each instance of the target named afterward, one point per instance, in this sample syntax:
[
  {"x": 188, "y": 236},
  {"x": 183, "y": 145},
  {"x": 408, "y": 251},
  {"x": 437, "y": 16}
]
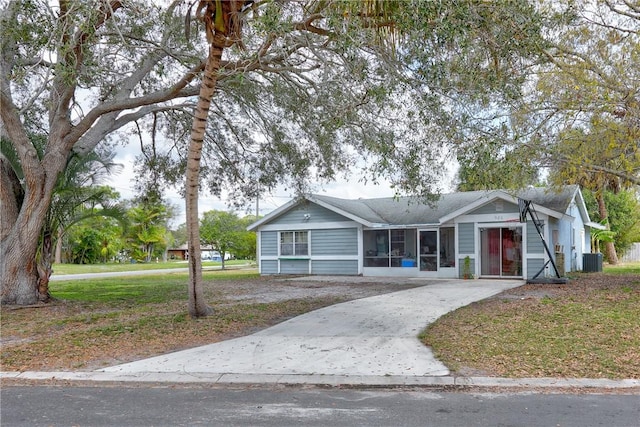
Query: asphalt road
[{"x": 180, "y": 406}]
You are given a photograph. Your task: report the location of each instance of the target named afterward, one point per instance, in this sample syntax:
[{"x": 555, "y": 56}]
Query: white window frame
[{"x": 294, "y": 243}]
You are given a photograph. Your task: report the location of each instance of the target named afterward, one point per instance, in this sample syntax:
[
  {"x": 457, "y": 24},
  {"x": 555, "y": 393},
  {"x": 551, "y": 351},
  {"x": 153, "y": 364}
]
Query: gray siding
[
  {"x": 269, "y": 267},
  {"x": 466, "y": 238},
  {"x": 533, "y": 266},
  {"x": 294, "y": 266},
  {"x": 534, "y": 243},
  {"x": 493, "y": 207},
  {"x": 334, "y": 242},
  {"x": 316, "y": 214},
  {"x": 269, "y": 243},
  {"x": 345, "y": 267}
]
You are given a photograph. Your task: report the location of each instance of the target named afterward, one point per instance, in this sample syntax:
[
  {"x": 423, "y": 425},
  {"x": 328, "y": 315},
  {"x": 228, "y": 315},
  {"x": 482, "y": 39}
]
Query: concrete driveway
[{"x": 374, "y": 336}]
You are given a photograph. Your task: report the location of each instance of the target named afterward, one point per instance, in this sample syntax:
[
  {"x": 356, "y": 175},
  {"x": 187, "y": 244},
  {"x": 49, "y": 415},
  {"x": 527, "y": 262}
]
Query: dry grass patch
[
  {"x": 588, "y": 328},
  {"x": 63, "y": 339},
  {"x": 96, "y": 323}
]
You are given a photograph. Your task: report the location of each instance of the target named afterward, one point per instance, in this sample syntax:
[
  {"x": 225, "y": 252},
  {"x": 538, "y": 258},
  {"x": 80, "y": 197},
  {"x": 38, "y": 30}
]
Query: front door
[
  {"x": 428, "y": 250},
  {"x": 501, "y": 251}
]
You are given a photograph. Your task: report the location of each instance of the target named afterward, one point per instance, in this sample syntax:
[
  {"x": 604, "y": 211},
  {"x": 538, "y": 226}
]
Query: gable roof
[{"x": 405, "y": 211}]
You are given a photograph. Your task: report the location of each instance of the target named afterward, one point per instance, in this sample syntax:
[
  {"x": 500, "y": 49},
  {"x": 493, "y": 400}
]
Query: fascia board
[
  {"x": 582, "y": 206},
  {"x": 595, "y": 225},
  {"x": 274, "y": 214},
  {"x": 342, "y": 212},
  {"x": 495, "y": 195},
  {"x": 540, "y": 209},
  {"x": 462, "y": 211},
  {"x": 551, "y": 212},
  {"x": 401, "y": 226}
]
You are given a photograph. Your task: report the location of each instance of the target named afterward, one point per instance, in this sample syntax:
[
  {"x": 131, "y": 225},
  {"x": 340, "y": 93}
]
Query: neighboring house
[
  {"x": 479, "y": 230},
  {"x": 206, "y": 253},
  {"x": 178, "y": 253}
]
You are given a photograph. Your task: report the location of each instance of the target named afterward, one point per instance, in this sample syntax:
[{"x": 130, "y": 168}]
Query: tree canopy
[
  {"x": 226, "y": 233},
  {"x": 308, "y": 94}
]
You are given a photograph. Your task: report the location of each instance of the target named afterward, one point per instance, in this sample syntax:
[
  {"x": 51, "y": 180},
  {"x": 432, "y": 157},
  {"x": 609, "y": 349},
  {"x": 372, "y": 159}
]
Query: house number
[{"x": 498, "y": 217}]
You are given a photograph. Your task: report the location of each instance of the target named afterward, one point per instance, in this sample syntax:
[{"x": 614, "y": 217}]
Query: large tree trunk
[
  {"x": 197, "y": 305},
  {"x": 23, "y": 216},
  {"x": 609, "y": 247},
  {"x": 21, "y": 283},
  {"x": 43, "y": 265}
]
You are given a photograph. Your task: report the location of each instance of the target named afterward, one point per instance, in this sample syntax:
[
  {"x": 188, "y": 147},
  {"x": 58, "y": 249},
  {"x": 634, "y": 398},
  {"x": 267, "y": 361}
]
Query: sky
[{"x": 346, "y": 188}]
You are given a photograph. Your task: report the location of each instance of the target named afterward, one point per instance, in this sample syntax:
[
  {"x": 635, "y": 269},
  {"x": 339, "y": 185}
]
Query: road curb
[{"x": 324, "y": 380}]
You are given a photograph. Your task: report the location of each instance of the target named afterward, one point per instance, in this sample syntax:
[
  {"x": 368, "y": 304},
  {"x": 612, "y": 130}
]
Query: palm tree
[{"x": 223, "y": 23}]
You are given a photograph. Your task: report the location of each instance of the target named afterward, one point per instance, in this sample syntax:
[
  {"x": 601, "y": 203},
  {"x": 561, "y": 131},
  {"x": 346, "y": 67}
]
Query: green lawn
[
  {"x": 623, "y": 268},
  {"x": 148, "y": 289},
  {"x": 114, "y": 267}
]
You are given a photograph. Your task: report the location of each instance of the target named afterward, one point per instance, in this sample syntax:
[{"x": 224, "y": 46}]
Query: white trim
[
  {"x": 500, "y": 225},
  {"x": 578, "y": 199},
  {"x": 258, "y": 249},
  {"x": 495, "y": 195},
  {"x": 334, "y": 258},
  {"x": 474, "y": 205},
  {"x": 360, "y": 237},
  {"x": 309, "y": 226},
  {"x": 313, "y": 258},
  {"x": 595, "y": 225},
  {"x": 396, "y": 272},
  {"x": 296, "y": 256},
  {"x": 273, "y": 214},
  {"x": 498, "y": 217}
]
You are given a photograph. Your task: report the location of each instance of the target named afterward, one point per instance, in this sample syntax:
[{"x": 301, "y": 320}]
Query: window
[
  {"x": 294, "y": 243},
  {"x": 501, "y": 251}
]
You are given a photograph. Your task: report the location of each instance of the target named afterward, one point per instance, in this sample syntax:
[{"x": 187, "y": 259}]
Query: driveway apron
[{"x": 375, "y": 336}]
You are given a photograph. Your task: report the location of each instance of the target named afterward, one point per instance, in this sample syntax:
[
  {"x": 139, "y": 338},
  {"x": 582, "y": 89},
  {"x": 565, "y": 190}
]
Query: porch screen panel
[
  {"x": 447, "y": 247},
  {"x": 376, "y": 248},
  {"x": 429, "y": 250}
]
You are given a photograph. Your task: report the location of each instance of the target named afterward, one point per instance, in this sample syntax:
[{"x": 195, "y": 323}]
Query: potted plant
[{"x": 466, "y": 268}]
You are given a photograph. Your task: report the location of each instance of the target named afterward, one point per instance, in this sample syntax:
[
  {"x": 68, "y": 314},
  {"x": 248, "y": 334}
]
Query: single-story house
[
  {"x": 481, "y": 233},
  {"x": 206, "y": 253}
]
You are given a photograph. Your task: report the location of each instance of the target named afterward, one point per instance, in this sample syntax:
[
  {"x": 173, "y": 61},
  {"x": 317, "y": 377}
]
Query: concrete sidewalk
[{"x": 367, "y": 342}]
